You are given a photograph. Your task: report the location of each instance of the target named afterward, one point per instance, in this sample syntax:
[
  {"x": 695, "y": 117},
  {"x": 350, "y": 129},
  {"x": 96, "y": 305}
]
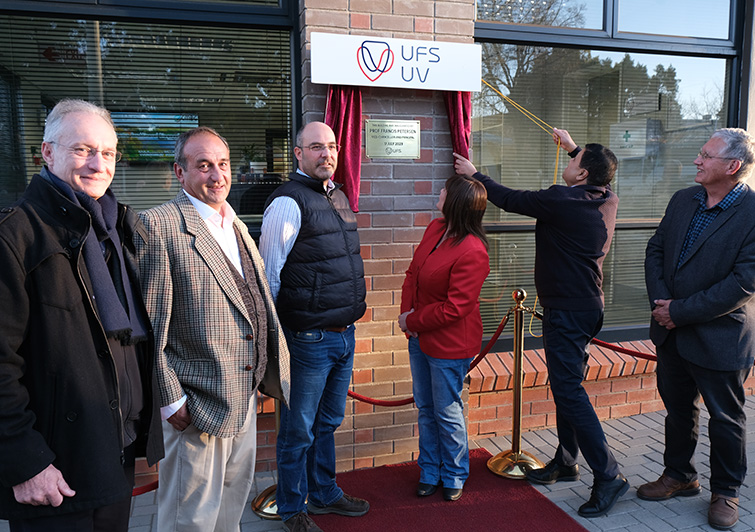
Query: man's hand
[
  {"x": 662, "y": 313},
  {"x": 181, "y": 419},
  {"x": 566, "y": 141},
  {"x": 463, "y": 166},
  {"x": 46, "y": 488}
]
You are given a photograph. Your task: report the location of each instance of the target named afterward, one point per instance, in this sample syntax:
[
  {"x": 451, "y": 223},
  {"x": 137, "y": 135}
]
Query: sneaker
[
  {"x": 301, "y": 522},
  {"x": 346, "y": 505}
]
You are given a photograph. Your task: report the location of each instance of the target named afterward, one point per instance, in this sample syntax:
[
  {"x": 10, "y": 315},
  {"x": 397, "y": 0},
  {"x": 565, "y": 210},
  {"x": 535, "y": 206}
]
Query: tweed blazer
[
  {"x": 203, "y": 331},
  {"x": 714, "y": 287}
]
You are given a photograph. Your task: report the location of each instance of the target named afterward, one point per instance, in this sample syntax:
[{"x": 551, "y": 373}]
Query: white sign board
[{"x": 398, "y": 63}]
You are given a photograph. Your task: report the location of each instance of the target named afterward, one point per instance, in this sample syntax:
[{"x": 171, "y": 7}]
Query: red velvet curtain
[
  {"x": 459, "y": 109},
  {"x": 343, "y": 113}
]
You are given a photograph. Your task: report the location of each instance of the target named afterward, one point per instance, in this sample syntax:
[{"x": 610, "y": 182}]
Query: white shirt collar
[
  {"x": 226, "y": 214},
  {"x": 329, "y": 186}
]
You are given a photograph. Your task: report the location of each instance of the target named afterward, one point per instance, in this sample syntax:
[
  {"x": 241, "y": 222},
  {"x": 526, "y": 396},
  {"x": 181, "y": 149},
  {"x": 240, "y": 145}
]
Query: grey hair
[
  {"x": 740, "y": 145},
  {"x": 54, "y": 121},
  {"x": 178, "y": 155}
]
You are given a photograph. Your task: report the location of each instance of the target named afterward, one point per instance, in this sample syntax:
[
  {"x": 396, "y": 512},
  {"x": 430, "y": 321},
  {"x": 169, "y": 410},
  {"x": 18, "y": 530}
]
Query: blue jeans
[
  {"x": 566, "y": 335},
  {"x": 321, "y": 363},
  {"x": 443, "y": 449}
]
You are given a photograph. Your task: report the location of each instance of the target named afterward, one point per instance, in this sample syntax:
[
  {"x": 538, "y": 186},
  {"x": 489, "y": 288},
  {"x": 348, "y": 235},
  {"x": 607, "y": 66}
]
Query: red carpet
[{"x": 489, "y": 503}]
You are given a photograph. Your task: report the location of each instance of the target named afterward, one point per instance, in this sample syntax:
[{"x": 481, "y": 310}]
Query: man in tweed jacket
[{"x": 217, "y": 340}]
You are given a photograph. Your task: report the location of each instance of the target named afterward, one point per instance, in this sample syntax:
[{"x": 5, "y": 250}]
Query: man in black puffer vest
[{"x": 310, "y": 247}]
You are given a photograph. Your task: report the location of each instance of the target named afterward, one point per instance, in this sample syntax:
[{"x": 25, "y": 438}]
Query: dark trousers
[
  {"x": 566, "y": 335},
  {"x": 681, "y": 384},
  {"x": 110, "y": 518}
]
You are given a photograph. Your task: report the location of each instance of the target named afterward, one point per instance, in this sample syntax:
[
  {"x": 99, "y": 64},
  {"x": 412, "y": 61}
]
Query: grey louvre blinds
[{"x": 157, "y": 80}]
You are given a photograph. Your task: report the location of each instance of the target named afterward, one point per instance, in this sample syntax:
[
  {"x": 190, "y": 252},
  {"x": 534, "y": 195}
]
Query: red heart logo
[{"x": 377, "y": 70}]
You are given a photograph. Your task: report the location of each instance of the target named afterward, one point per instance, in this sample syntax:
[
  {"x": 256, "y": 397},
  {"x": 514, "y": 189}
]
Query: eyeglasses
[
  {"x": 320, "y": 147},
  {"x": 705, "y": 156},
  {"x": 85, "y": 152}
]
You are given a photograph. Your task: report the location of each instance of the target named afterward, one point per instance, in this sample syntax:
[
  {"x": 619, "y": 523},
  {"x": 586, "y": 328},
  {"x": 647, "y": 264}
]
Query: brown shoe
[
  {"x": 667, "y": 487},
  {"x": 723, "y": 512}
]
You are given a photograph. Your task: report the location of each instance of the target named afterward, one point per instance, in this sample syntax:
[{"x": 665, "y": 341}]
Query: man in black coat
[
  {"x": 575, "y": 225},
  {"x": 700, "y": 276},
  {"x": 76, "y": 366}
]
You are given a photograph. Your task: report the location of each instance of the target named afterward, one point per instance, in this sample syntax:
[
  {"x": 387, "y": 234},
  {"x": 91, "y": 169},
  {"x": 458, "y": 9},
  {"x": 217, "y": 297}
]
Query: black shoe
[
  {"x": 301, "y": 522},
  {"x": 425, "y": 490},
  {"x": 605, "y": 493},
  {"x": 553, "y": 472},
  {"x": 452, "y": 494},
  {"x": 346, "y": 505}
]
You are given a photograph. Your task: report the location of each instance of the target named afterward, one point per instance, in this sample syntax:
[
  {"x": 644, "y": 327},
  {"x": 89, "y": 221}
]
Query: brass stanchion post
[
  {"x": 264, "y": 504},
  {"x": 515, "y": 463}
]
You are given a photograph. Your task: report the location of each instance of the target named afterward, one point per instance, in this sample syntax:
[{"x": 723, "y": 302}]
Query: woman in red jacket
[{"x": 440, "y": 314}]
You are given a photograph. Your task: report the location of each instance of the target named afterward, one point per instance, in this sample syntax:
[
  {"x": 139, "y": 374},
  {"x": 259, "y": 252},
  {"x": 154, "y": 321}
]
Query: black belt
[{"x": 335, "y": 329}]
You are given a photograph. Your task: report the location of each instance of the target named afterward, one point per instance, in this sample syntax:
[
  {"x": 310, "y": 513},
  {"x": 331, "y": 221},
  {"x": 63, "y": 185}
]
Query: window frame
[
  {"x": 232, "y": 14},
  {"x": 736, "y": 49},
  {"x": 226, "y": 14}
]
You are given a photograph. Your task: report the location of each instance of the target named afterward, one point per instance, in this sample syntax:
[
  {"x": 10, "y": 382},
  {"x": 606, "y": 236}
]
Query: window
[
  {"x": 687, "y": 18},
  {"x": 558, "y": 13},
  {"x": 622, "y": 89},
  {"x": 157, "y": 80}
]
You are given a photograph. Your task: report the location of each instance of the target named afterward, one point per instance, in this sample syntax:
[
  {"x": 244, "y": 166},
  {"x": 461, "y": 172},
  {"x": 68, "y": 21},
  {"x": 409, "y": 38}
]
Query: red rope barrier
[
  {"x": 410, "y": 400},
  {"x": 493, "y": 340},
  {"x": 484, "y": 352},
  {"x": 619, "y": 349},
  {"x": 380, "y": 402},
  {"x": 139, "y": 490}
]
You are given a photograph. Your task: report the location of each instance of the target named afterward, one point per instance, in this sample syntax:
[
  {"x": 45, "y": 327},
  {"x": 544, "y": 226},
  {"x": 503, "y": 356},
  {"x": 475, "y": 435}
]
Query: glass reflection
[
  {"x": 685, "y": 18},
  {"x": 158, "y": 80},
  {"x": 653, "y": 111},
  {"x": 555, "y": 13}
]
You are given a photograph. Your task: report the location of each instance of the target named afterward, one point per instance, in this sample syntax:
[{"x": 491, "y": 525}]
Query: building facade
[{"x": 651, "y": 80}]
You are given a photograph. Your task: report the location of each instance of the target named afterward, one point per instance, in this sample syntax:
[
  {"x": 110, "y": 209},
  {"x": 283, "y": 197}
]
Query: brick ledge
[{"x": 495, "y": 372}]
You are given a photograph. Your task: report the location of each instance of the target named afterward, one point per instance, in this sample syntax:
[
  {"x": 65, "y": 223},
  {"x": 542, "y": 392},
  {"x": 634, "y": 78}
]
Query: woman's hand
[{"x": 402, "y": 323}]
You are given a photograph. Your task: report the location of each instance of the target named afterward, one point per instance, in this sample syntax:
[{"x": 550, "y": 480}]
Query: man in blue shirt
[
  {"x": 311, "y": 250},
  {"x": 700, "y": 276}
]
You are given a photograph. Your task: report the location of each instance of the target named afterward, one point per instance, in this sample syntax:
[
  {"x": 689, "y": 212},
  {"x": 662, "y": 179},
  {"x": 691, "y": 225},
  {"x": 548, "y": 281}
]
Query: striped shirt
[{"x": 280, "y": 227}]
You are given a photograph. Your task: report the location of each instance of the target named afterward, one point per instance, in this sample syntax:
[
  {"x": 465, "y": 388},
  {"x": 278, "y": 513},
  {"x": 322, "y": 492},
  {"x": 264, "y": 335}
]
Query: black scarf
[{"x": 113, "y": 292}]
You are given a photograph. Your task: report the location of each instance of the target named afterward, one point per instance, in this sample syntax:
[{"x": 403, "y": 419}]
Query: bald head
[{"x": 317, "y": 151}]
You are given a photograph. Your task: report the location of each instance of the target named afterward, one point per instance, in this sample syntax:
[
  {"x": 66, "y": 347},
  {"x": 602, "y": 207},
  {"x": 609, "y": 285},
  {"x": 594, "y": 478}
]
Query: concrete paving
[{"x": 637, "y": 442}]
